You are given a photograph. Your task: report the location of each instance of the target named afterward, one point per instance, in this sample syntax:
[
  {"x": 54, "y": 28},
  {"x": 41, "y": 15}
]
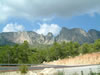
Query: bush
[
  {"x": 23, "y": 69},
  {"x": 60, "y": 73}
]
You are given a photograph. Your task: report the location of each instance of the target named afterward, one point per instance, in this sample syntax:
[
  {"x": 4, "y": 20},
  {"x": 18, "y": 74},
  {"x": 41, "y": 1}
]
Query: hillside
[{"x": 91, "y": 58}]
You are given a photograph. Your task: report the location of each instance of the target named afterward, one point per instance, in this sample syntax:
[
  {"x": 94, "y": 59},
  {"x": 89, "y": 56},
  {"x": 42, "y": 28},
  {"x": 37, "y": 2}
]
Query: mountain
[
  {"x": 20, "y": 37},
  {"x": 75, "y": 34},
  {"x": 94, "y": 34}
]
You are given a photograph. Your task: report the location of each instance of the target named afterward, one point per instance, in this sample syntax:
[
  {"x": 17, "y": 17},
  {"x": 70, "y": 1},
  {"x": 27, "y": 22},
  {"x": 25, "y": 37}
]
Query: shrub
[
  {"x": 60, "y": 73},
  {"x": 23, "y": 69}
]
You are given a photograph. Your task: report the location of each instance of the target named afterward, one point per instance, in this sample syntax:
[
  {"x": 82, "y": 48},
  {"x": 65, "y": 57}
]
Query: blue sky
[{"x": 48, "y": 15}]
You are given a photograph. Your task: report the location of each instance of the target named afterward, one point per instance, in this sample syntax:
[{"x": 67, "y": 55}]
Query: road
[{"x": 37, "y": 67}]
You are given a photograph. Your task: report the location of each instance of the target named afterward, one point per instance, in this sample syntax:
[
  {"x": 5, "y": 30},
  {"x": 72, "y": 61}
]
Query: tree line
[{"x": 24, "y": 54}]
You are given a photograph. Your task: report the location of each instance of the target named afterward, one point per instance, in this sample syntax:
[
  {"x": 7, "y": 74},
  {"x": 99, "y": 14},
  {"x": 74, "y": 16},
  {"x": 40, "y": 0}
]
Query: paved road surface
[{"x": 37, "y": 67}]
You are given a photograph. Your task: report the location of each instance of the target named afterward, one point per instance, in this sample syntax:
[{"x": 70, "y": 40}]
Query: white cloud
[
  {"x": 48, "y": 19},
  {"x": 47, "y": 8},
  {"x": 46, "y": 28},
  {"x": 13, "y": 28}
]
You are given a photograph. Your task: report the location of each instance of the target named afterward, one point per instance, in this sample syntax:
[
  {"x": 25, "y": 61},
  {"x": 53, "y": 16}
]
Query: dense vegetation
[{"x": 23, "y": 53}]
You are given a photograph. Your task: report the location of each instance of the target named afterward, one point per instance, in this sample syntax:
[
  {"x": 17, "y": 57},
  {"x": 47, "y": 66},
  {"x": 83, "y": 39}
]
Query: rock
[
  {"x": 48, "y": 71},
  {"x": 31, "y": 73}
]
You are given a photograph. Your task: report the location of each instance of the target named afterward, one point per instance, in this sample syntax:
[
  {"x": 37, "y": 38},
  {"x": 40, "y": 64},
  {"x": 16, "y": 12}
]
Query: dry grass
[{"x": 92, "y": 58}]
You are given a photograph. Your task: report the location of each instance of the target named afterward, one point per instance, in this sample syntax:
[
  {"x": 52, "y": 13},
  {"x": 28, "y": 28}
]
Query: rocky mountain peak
[
  {"x": 64, "y": 29},
  {"x": 49, "y": 34},
  {"x": 75, "y": 34}
]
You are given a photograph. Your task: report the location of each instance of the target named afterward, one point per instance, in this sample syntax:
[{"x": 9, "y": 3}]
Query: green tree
[
  {"x": 85, "y": 48},
  {"x": 97, "y": 45},
  {"x": 24, "y": 52}
]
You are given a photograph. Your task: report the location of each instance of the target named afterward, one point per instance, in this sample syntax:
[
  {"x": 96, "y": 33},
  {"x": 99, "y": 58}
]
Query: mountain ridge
[{"x": 74, "y": 34}]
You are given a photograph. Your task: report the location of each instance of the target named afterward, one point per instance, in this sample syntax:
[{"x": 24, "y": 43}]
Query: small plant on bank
[
  {"x": 23, "y": 69},
  {"x": 75, "y": 73},
  {"x": 82, "y": 73},
  {"x": 60, "y": 73}
]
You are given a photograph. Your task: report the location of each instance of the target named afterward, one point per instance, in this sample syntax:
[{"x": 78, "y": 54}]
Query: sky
[{"x": 43, "y": 16}]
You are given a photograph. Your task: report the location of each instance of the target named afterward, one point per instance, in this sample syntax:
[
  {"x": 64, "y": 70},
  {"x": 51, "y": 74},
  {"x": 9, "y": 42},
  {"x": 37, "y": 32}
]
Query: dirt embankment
[{"x": 86, "y": 59}]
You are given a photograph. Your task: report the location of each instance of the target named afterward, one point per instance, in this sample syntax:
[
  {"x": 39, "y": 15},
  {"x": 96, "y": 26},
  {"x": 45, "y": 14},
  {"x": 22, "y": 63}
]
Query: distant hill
[{"x": 75, "y": 34}]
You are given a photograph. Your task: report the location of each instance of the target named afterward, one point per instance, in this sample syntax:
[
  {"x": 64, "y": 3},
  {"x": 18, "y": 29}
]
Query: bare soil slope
[{"x": 86, "y": 59}]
